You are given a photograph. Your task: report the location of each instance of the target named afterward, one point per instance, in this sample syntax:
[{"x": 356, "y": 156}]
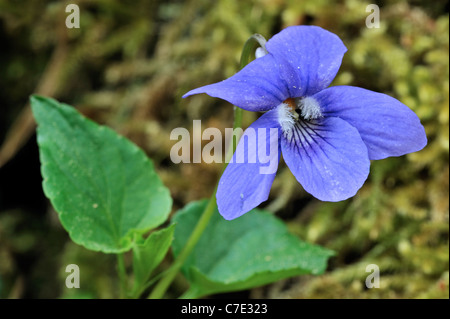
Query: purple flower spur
[{"x": 327, "y": 135}]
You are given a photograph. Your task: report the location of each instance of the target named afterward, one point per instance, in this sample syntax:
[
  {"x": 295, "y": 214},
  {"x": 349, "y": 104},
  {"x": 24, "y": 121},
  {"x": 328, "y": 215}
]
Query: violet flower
[{"x": 327, "y": 135}]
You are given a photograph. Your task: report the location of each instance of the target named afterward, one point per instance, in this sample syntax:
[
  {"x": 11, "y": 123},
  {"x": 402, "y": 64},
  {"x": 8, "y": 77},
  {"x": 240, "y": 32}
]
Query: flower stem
[
  {"x": 250, "y": 45},
  {"x": 164, "y": 283},
  {"x": 122, "y": 275}
]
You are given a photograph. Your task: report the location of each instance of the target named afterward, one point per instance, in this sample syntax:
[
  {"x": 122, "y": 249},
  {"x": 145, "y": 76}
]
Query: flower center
[
  {"x": 309, "y": 107},
  {"x": 292, "y": 110}
]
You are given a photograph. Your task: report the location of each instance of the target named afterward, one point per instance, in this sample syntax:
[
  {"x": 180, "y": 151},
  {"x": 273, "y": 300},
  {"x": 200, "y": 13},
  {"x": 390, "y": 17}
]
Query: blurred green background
[{"x": 127, "y": 67}]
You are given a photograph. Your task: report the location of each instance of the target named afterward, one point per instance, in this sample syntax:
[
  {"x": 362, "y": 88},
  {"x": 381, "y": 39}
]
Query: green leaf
[
  {"x": 252, "y": 250},
  {"x": 103, "y": 187},
  {"x": 148, "y": 254}
]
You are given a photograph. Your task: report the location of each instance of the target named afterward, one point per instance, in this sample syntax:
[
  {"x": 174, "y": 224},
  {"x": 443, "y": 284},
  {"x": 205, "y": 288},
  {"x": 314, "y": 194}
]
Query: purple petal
[
  {"x": 328, "y": 158},
  {"x": 309, "y": 58},
  {"x": 257, "y": 87},
  {"x": 247, "y": 180},
  {"x": 387, "y": 126}
]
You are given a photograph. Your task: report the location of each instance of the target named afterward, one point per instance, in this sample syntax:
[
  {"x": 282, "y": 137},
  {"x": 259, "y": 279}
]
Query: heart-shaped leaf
[
  {"x": 148, "y": 253},
  {"x": 250, "y": 251},
  {"x": 103, "y": 187}
]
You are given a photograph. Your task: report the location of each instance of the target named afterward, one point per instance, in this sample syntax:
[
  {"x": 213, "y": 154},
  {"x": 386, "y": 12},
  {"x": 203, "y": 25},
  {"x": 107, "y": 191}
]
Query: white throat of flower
[
  {"x": 310, "y": 108},
  {"x": 291, "y": 110},
  {"x": 286, "y": 117}
]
